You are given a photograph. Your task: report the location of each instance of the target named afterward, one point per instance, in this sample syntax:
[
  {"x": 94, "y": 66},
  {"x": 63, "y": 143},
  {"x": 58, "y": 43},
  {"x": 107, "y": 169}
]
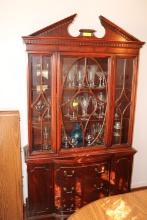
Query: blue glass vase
[{"x": 76, "y": 135}]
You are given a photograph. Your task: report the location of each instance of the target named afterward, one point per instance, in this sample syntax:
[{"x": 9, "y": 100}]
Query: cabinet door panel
[
  {"x": 123, "y": 102},
  {"x": 40, "y": 103},
  {"x": 40, "y": 189},
  {"x": 120, "y": 175},
  {"x": 83, "y": 101}
]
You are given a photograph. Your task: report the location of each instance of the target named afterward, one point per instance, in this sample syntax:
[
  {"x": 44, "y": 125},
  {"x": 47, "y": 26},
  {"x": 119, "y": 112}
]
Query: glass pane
[
  {"x": 123, "y": 88},
  {"x": 41, "y": 102},
  {"x": 83, "y": 102}
]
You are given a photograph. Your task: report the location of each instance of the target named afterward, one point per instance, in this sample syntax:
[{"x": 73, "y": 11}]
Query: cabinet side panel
[{"x": 11, "y": 202}]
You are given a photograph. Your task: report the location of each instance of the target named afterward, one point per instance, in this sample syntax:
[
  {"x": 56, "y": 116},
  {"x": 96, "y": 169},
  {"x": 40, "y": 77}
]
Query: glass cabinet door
[
  {"x": 40, "y": 103},
  {"x": 83, "y": 101},
  {"x": 123, "y": 87}
]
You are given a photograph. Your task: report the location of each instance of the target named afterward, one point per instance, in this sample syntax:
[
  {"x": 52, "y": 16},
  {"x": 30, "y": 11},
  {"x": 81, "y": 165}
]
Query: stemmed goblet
[
  {"x": 91, "y": 75},
  {"x": 45, "y": 138},
  {"x": 71, "y": 77},
  {"x": 80, "y": 78},
  {"x": 84, "y": 101}
]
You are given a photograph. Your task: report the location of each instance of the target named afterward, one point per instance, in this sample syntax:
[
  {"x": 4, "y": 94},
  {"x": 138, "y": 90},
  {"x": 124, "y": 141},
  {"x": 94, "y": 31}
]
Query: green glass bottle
[{"x": 76, "y": 135}]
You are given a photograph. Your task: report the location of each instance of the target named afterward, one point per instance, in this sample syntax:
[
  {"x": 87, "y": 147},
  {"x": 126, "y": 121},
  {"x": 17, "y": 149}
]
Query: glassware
[
  {"x": 67, "y": 107},
  {"x": 80, "y": 78},
  {"x": 41, "y": 88},
  {"x": 117, "y": 129},
  {"x": 117, "y": 125},
  {"x": 91, "y": 75},
  {"x": 71, "y": 77},
  {"x": 116, "y": 115},
  {"x": 45, "y": 138},
  {"x": 65, "y": 141},
  {"x": 84, "y": 101},
  {"x": 38, "y": 69},
  {"x": 73, "y": 142},
  {"x": 101, "y": 111},
  {"x": 101, "y": 79},
  {"x": 39, "y": 106},
  {"x": 94, "y": 128},
  {"x": 89, "y": 138},
  {"x": 101, "y": 96},
  {"x": 95, "y": 105},
  {"x": 117, "y": 132},
  {"x": 74, "y": 106},
  {"x": 101, "y": 105},
  {"x": 76, "y": 135},
  {"x": 47, "y": 114},
  {"x": 43, "y": 71}
]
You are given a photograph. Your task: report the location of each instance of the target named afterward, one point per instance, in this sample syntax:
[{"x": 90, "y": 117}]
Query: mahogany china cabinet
[{"x": 81, "y": 105}]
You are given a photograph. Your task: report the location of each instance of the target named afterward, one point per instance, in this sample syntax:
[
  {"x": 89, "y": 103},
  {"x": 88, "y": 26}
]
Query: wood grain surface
[
  {"x": 11, "y": 202},
  {"x": 128, "y": 206}
]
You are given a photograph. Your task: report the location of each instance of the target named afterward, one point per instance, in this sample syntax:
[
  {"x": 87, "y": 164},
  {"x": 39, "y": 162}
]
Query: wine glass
[
  {"x": 45, "y": 138},
  {"x": 39, "y": 106},
  {"x": 101, "y": 104},
  {"x": 84, "y": 101},
  {"x": 71, "y": 77},
  {"x": 91, "y": 75},
  {"x": 45, "y": 72},
  {"x": 67, "y": 107},
  {"x": 89, "y": 138},
  {"x": 80, "y": 78},
  {"x": 66, "y": 141},
  {"x": 95, "y": 105},
  {"x": 73, "y": 142},
  {"x": 101, "y": 78}
]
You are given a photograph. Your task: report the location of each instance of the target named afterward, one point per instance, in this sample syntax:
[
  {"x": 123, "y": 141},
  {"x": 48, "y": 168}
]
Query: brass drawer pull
[
  {"x": 99, "y": 187},
  {"x": 100, "y": 171},
  {"x": 68, "y": 208},
  {"x": 68, "y": 192},
  {"x": 68, "y": 174}
]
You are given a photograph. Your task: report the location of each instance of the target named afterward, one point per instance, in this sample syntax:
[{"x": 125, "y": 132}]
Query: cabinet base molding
[{"x": 139, "y": 188}]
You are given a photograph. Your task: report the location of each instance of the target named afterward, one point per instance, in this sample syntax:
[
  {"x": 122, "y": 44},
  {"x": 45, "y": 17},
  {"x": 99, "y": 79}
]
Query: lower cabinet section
[{"x": 61, "y": 186}]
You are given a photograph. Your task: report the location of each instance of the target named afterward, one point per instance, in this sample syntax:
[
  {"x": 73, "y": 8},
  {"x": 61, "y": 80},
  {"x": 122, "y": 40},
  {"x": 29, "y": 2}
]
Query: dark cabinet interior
[{"x": 81, "y": 106}]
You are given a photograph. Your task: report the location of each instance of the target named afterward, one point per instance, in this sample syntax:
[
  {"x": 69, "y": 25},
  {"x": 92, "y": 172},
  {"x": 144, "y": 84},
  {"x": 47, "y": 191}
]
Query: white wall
[{"x": 23, "y": 17}]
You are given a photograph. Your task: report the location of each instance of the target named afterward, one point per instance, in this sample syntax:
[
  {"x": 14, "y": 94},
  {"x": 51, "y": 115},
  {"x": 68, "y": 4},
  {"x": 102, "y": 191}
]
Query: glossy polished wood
[
  {"x": 11, "y": 200},
  {"x": 126, "y": 206},
  {"x": 62, "y": 179}
]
